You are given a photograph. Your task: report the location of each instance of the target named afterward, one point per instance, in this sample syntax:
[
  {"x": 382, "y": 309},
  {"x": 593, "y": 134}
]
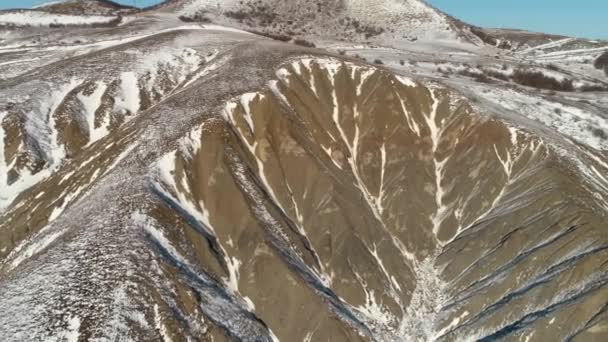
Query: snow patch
[
  {"x": 72, "y": 334},
  {"x": 37, "y": 244},
  {"x": 128, "y": 100}
]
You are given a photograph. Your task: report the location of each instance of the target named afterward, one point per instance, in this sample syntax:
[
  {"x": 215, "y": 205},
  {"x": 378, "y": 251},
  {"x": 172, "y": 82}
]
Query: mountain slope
[
  {"x": 86, "y": 7},
  {"x": 379, "y": 20},
  {"x": 164, "y": 181}
]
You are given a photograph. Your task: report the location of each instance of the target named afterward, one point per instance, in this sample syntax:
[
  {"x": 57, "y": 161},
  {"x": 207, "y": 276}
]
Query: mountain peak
[{"x": 345, "y": 19}]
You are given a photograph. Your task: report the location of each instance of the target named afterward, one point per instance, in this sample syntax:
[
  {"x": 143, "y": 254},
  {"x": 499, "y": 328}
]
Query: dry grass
[
  {"x": 602, "y": 61},
  {"x": 199, "y": 18},
  {"x": 304, "y": 42},
  {"x": 275, "y": 36},
  {"x": 537, "y": 79},
  {"x": 479, "y": 77},
  {"x": 489, "y": 39},
  {"x": 367, "y": 30},
  {"x": 495, "y": 74},
  {"x": 600, "y": 133}
]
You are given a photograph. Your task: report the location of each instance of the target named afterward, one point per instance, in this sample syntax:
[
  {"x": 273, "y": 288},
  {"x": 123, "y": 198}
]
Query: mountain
[
  {"x": 86, "y": 7},
  {"x": 389, "y": 21},
  {"x": 270, "y": 171},
  {"x": 83, "y": 13}
]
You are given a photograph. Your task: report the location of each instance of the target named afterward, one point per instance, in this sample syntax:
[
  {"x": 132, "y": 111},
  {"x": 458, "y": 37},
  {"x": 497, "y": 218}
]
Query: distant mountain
[
  {"x": 86, "y": 7},
  {"x": 298, "y": 171},
  {"x": 389, "y": 20}
]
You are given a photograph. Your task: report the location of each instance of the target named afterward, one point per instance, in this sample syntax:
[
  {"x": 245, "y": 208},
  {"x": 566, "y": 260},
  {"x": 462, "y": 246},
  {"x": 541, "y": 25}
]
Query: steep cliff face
[
  {"x": 411, "y": 215},
  {"x": 170, "y": 182}
]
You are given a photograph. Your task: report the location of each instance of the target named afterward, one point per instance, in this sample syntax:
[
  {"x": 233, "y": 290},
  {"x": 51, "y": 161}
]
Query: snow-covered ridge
[
  {"x": 86, "y": 7},
  {"x": 41, "y": 18},
  {"x": 353, "y": 19},
  {"x": 418, "y": 16},
  {"x": 154, "y": 77}
]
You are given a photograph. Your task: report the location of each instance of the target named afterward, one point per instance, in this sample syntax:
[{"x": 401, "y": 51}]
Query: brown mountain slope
[{"x": 383, "y": 207}]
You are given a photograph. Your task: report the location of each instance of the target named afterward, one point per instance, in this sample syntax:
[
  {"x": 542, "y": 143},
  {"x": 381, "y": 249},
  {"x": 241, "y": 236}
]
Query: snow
[
  {"x": 549, "y": 45},
  {"x": 406, "y": 81},
  {"x": 274, "y": 87},
  {"x": 332, "y": 67},
  {"x": 412, "y": 124},
  {"x": 195, "y": 6},
  {"x": 41, "y": 126},
  {"x": 56, "y": 152},
  {"x": 45, "y": 4},
  {"x": 454, "y": 323},
  {"x": 185, "y": 65},
  {"x": 568, "y": 120},
  {"x": 90, "y": 105},
  {"x": 418, "y": 319},
  {"x": 229, "y": 114},
  {"x": 407, "y": 17},
  {"x": 148, "y": 225},
  {"x": 435, "y": 133},
  {"x": 128, "y": 97},
  {"x": 37, "y": 244},
  {"x": 72, "y": 334},
  {"x": 3, "y": 165},
  {"x": 115, "y": 42},
  {"x": 246, "y": 100},
  {"x": 120, "y": 157},
  {"x": 40, "y": 18},
  {"x": 166, "y": 183},
  {"x": 233, "y": 274},
  {"x": 550, "y": 73},
  {"x": 225, "y": 29},
  {"x": 182, "y": 63},
  {"x": 382, "y": 172},
  {"x": 208, "y": 68},
  {"x": 160, "y": 327},
  {"x": 391, "y": 279},
  {"x": 19, "y": 61}
]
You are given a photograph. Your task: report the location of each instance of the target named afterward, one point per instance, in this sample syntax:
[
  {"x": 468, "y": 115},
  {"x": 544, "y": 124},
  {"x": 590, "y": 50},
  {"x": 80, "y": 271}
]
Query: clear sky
[{"x": 582, "y": 18}]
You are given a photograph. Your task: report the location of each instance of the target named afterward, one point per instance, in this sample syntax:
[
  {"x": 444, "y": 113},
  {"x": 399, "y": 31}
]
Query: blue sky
[{"x": 582, "y": 18}]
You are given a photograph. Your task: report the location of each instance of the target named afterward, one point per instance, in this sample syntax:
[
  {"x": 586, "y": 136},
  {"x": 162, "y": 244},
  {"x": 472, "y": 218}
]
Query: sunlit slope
[
  {"x": 404, "y": 213},
  {"x": 348, "y": 20},
  {"x": 46, "y": 119},
  {"x": 323, "y": 199}
]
